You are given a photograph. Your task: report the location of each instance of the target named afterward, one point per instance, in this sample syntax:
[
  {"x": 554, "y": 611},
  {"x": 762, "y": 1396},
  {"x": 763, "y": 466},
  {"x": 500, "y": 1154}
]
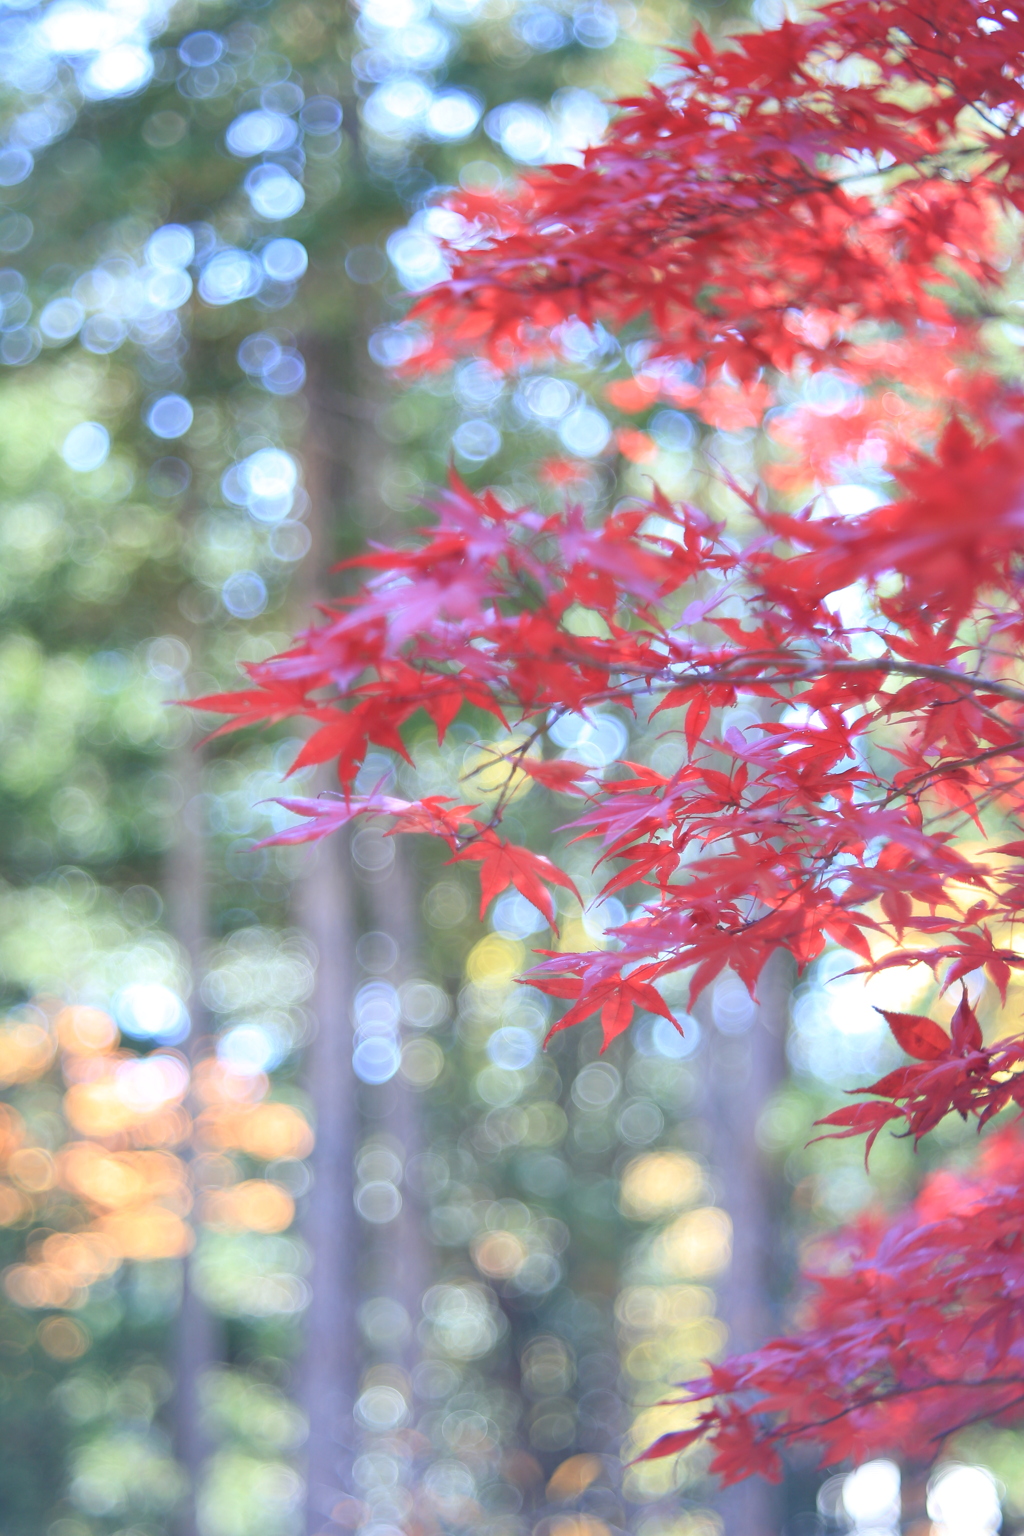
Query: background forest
[{"x": 300, "y": 1231}]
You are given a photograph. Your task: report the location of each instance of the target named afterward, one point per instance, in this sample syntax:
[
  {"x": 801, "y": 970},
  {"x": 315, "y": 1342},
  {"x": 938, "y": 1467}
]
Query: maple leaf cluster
[
  {"x": 733, "y": 206},
  {"x": 835, "y": 818},
  {"x": 835, "y": 193},
  {"x": 911, "y": 1330}
]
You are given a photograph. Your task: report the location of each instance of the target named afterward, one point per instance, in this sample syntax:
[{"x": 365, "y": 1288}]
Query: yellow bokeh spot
[
  {"x": 657, "y": 1183},
  {"x": 696, "y": 1246},
  {"x": 574, "y": 1477},
  {"x": 487, "y": 772},
  {"x": 573, "y": 937},
  {"x": 495, "y": 962},
  {"x": 86, "y": 1030},
  {"x": 903, "y": 989},
  {"x": 257, "y": 1205},
  {"x": 677, "y": 1353},
  {"x": 661, "y": 1418},
  {"x": 653, "y": 1308}
]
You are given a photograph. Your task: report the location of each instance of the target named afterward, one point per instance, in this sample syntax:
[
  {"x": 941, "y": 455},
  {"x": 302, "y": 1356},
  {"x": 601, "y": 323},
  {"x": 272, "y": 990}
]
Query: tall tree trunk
[
  {"x": 198, "y": 1344},
  {"x": 329, "y": 1372},
  {"x": 406, "y": 1255},
  {"x": 746, "y": 1067},
  {"x": 403, "y": 1250},
  {"x": 326, "y": 911}
]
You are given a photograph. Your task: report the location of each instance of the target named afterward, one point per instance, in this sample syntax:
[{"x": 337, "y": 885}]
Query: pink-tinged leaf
[{"x": 671, "y": 1444}]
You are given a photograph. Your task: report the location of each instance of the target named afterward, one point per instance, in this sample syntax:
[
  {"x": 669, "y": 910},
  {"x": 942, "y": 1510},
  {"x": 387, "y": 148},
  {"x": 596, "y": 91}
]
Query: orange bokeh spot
[
  {"x": 32, "y": 1168},
  {"x": 265, "y": 1131},
  {"x": 12, "y": 1131},
  {"x": 499, "y": 1254},
  {"x": 214, "y": 1084},
  {"x": 37, "y": 1285},
  {"x": 63, "y": 1338},
  {"x": 26, "y": 1050},
  {"x": 109, "y": 1180},
  {"x": 636, "y": 446},
  {"x": 151, "y": 1232},
  {"x": 81, "y": 1257},
  {"x": 257, "y": 1205},
  {"x": 13, "y": 1205},
  {"x": 97, "y": 1109},
  {"x": 87, "y": 1030}
]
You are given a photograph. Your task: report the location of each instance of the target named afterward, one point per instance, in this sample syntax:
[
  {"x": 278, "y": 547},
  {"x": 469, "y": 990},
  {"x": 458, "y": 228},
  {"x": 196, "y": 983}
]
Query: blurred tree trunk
[
  {"x": 329, "y": 1370},
  {"x": 406, "y": 1254},
  {"x": 746, "y": 1068},
  {"x": 404, "y": 1251},
  {"x": 198, "y": 1344},
  {"x": 325, "y": 908}
]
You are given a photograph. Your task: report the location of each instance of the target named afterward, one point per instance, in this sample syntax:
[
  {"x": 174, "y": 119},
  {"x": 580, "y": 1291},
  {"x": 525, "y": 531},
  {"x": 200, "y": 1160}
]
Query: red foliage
[
  {"x": 826, "y": 194},
  {"x": 912, "y": 1330},
  {"x": 734, "y": 208}
]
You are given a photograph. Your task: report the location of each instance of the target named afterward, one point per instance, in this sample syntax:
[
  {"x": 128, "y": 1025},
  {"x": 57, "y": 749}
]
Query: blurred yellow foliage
[
  {"x": 573, "y": 936},
  {"x": 696, "y": 1246},
  {"x": 658, "y": 1420},
  {"x": 679, "y": 1352},
  {"x": 257, "y": 1205},
  {"x": 487, "y": 770},
  {"x": 495, "y": 962},
  {"x": 653, "y": 1308},
  {"x": 657, "y": 1183}
]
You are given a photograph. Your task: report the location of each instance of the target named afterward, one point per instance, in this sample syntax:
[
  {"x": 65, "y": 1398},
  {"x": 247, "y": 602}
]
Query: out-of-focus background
[{"x": 300, "y": 1231}]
